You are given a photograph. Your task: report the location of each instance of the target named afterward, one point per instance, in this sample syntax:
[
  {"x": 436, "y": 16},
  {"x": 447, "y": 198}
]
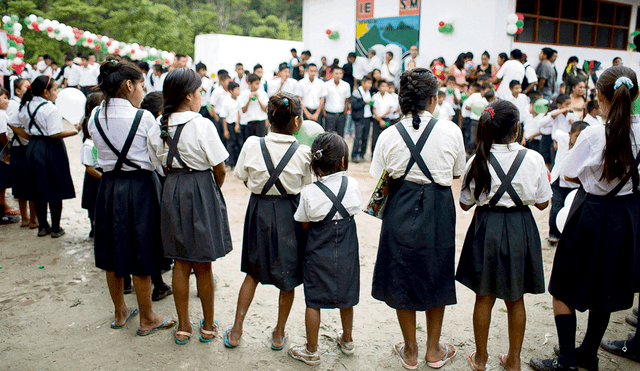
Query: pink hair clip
[{"x": 490, "y": 110}]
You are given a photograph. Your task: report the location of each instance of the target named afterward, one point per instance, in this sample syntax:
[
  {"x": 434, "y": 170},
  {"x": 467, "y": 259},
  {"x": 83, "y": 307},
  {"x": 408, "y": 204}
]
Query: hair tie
[
  {"x": 623, "y": 80},
  {"x": 114, "y": 62},
  {"x": 164, "y": 132},
  {"x": 285, "y": 101},
  {"x": 317, "y": 155},
  {"x": 491, "y": 111}
]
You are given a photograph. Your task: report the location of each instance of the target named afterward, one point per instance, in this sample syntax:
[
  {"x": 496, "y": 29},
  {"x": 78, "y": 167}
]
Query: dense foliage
[{"x": 167, "y": 24}]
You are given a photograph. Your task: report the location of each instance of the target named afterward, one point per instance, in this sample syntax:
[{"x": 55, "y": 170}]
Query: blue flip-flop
[
  {"x": 187, "y": 334},
  {"x": 226, "y": 339},
  {"x": 202, "y": 330},
  {"x": 132, "y": 313},
  {"x": 273, "y": 347},
  {"x": 161, "y": 327}
]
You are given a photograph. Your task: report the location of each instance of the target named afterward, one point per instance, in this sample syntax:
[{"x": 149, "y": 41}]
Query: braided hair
[
  {"x": 180, "y": 82},
  {"x": 114, "y": 76},
  {"x": 283, "y": 110},
  {"x": 417, "y": 87}
]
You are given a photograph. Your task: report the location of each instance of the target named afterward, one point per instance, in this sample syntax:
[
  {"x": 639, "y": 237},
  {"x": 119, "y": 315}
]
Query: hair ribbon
[
  {"x": 623, "y": 80},
  {"x": 285, "y": 101},
  {"x": 491, "y": 111}
]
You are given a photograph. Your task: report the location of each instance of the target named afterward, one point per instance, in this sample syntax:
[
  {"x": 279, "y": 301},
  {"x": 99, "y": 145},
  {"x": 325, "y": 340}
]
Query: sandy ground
[{"x": 57, "y": 317}]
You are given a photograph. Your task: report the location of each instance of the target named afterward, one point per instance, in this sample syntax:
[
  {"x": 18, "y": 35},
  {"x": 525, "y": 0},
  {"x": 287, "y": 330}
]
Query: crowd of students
[{"x": 172, "y": 135}]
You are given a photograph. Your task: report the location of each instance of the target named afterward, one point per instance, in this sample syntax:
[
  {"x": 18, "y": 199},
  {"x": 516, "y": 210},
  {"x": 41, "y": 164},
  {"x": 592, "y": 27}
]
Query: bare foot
[
  {"x": 234, "y": 336},
  {"x": 121, "y": 316},
  {"x": 510, "y": 363}
]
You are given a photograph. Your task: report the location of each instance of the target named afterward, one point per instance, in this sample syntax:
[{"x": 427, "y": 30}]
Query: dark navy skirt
[
  {"x": 127, "y": 231},
  {"x": 5, "y": 176},
  {"x": 47, "y": 174},
  {"x": 415, "y": 267},
  {"x": 273, "y": 242},
  {"x": 597, "y": 262},
  {"x": 331, "y": 267},
  {"x": 17, "y": 165},
  {"x": 195, "y": 226},
  {"x": 90, "y": 193},
  {"x": 502, "y": 254}
]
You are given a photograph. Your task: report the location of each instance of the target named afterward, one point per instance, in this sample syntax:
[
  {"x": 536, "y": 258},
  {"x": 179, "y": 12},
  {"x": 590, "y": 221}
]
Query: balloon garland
[
  {"x": 333, "y": 35},
  {"x": 515, "y": 24},
  {"x": 13, "y": 28},
  {"x": 445, "y": 27}
]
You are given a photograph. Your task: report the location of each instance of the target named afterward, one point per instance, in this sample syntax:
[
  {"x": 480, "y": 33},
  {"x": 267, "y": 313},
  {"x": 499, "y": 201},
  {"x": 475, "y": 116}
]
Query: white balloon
[
  {"x": 17, "y": 26},
  {"x": 570, "y": 197},
  {"x": 17, "y": 61},
  {"x": 16, "y": 33},
  {"x": 13, "y": 50},
  {"x": 122, "y": 52},
  {"x": 29, "y": 26},
  {"x": 33, "y": 18},
  {"x": 512, "y": 18},
  {"x": 105, "y": 39},
  {"x": 71, "y": 104},
  {"x": 561, "y": 219},
  {"x": 115, "y": 43},
  {"x": 51, "y": 35},
  {"x": 111, "y": 49},
  {"x": 85, "y": 44},
  {"x": 512, "y": 29},
  {"x": 59, "y": 36},
  {"x": 55, "y": 24},
  {"x": 73, "y": 41},
  {"x": 6, "y": 19},
  {"x": 46, "y": 23}
]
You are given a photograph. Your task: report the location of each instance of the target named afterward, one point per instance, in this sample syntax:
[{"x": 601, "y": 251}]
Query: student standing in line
[
  {"x": 381, "y": 109},
  {"x": 361, "y": 113},
  {"x": 230, "y": 114},
  {"x": 5, "y": 171},
  {"x": 502, "y": 255},
  {"x": 414, "y": 269},
  {"x": 275, "y": 168},
  {"x": 253, "y": 116},
  {"x": 336, "y": 103},
  {"x": 312, "y": 92}
]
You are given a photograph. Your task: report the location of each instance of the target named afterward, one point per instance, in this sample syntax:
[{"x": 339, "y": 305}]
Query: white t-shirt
[
  {"x": 443, "y": 153},
  {"x": 254, "y": 111},
  {"x": 382, "y": 103},
  {"x": 218, "y": 96},
  {"x": 562, "y": 122},
  {"x": 544, "y": 123},
  {"x": 446, "y": 111},
  {"x": 72, "y": 75},
  {"x": 48, "y": 118},
  {"x": 531, "y": 181},
  {"x": 311, "y": 92},
  {"x": 87, "y": 155},
  {"x": 290, "y": 86},
  {"x": 88, "y": 76},
  {"x": 315, "y": 205},
  {"x": 336, "y": 96},
  {"x": 449, "y": 96},
  {"x": 562, "y": 139},
  {"x": 242, "y": 81},
  {"x": 229, "y": 110},
  {"x": 469, "y": 102},
  {"x": 532, "y": 126},
  {"x": 510, "y": 70},
  {"x": 592, "y": 121},
  {"x": 522, "y": 102}
]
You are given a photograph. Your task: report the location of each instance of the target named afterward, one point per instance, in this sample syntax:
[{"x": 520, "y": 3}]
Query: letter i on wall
[{"x": 365, "y": 9}]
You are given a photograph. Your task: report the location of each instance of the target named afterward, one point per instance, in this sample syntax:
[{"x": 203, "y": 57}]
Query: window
[{"x": 586, "y": 23}]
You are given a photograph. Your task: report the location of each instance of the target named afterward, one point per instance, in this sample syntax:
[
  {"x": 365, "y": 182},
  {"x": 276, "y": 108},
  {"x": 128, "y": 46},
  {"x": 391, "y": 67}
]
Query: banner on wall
[
  {"x": 409, "y": 7},
  {"x": 365, "y": 9}
]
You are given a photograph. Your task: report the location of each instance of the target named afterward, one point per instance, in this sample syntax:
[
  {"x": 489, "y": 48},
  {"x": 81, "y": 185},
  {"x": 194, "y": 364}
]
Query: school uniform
[
  {"x": 18, "y": 151},
  {"x": 523, "y": 104},
  {"x": 207, "y": 90},
  {"x": 592, "y": 121},
  {"x": 5, "y": 171},
  {"x": 599, "y": 235},
  {"x": 290, "y": 86},
  {"x": 449, "y": 98},
  {"x": 362, "y": 116},
  {"x": 381, "y": 103},
  {"x": 545, "y": 124},
  {"x": 87, "y": 78},
  {"x": 275, "y": 169},
  {"x": 414, "y": 268},
  {"x": 470, "y": 120},
  {"x": 230, "y": 110},
  {"x": 312, "y": 93},
  {"x": 71, "y": 75},
  {"x": 89, "y": 157},
  {"x": 446, "y": 111},
  {"x": 218, "y": 96},
  {"x": 47, "y": 174},
  {"x": 563, "y": 122},
  {"x": 395, "y": 108},
  {"x": 127, "y": 224},
  {"x": 502, "y": 253},
  {"x": 241, "y": 81},
  {"x": 331, "y": 264},
  {"x": 561, "y": 188},
  {"x": 334, "y": 105},
  {"x": 532, "y": 126},
  {"x": 195, "y": 226},
  {"x": 253, "y": 122}
]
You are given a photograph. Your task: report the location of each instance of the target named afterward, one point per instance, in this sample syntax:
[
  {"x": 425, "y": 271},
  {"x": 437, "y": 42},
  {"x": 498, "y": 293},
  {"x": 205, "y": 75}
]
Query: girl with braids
[
  {"x": 600, "y": 235},
  {"x": 502, "y": 254},
  {"x": 195, "y": 228},
  {"x": 275, "y": 168},
  {"x": 414, "y": 269},
  {"x": 46, "y": 165},
  {"x": 127, "y": 232},
  {"x": 331, "y": 270}
]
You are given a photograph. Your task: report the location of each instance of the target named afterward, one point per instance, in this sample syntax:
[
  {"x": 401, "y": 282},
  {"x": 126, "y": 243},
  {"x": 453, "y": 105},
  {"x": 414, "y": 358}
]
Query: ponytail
[
  {"x": 113, "y": 75},
  {"x": 37, "y": 88},
  {"x": 178, "y": 84}
]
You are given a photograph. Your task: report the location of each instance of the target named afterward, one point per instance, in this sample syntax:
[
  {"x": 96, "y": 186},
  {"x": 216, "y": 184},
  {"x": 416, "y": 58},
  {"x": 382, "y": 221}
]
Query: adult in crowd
[
  {"x": 547, "y": 73},
  {"x": 348, "y": 71},
  {"x": 510, "y": 70},
  {"x": 412, "y": 57},
  {"x": 577, "y": 89},
  {"x": 390, "y": 69},
  {"x": 530, "y": 80}
]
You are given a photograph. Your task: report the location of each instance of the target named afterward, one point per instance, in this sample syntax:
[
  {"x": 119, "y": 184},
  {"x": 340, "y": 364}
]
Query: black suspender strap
[
  {"x": 337, "y": 201},
  {"x": 506, "y": 180},
  {"x": 122, "y": 155},
  {"x": 415, "y": 149},
  {"x": 173, "y": 148},
  {"x": 32, "y": 117},
  {"x": 275, "y": 172},
  {"x": 625, "y": 180}
]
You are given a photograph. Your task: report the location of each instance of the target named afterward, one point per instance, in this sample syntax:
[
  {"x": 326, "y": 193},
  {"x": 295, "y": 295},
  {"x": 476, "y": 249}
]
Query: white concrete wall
[
  {"x": 320, "y": 15},
  {"x": 224, "y": 51}
]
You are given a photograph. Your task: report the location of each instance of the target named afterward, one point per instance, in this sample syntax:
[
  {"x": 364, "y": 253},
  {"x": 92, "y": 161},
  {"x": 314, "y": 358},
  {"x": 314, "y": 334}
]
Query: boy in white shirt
[
  {"x": 361, "y": 114},
  {"x": 382, "y": 107},
  {"x": 532, "y": 134},
  {"x": 230, "y": 115},
  {"x": 563, "y": 117},
  {"x": 470, "y": 118},
  {"x": 239, "y": 76},
  {"x": 336, "y": 103},
  {"x": 284, "y": 82},
  {"x": 87, "y": 76},
  {"x": 520, "y": 100},
  {"x": 446, "y": 111},
  {"x": 593, "y": 116},
  {"x": 253, "y": 109},
  {"x": 71, "y": 72},
  {"x": 312, "y": 92},
  {"x": 215, "y": 102},
  {"x": 453, "y": 93},
  {"x": 207, "y": 89},
  {"x": 395, "y": 109}
]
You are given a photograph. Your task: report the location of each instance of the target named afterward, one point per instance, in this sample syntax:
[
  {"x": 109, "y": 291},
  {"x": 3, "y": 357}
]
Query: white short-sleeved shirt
[
  {"x": 395, "y": 108},
  {"x": 592, "y": 121},
  {"x": 252, "y": 169},
  {"x": 532, "y": 126},
  {"x": 561, "y": 122},
  {"x": 241, "y": 81},
  {"x": 315, "y": 205},
  {"x": 311, "y": 92},
  {"x": 218, "y": 96},
  {"x": 254, "y": 111},
  {"x": 336, "y": 96},
  {"x": 88, "y": 76},
  {"x": 4, "y": 120},
  {"x": 88, "y": 157},
  {"x": 207, "y": 89},
  {"x": 71, "y": 74},
  {"x": 121, "y": 115},
  {"x": 444, "y": 152},
  {"x": 544, "y": 123},
  {"x": 12, "y": 115},
  {"x": 158, "y": 82},
  {"x": 510, "y": 70},
  {"x": 530, "y": 74},
  {"x": 531, "y": 182},
  {"x": 449, "y": 96},
  {"x": 382, "y": 103},
  {"x": 562, "y": 139},
  {"x": 585, "y": 160},
  {"x": 199, "y": 145},
  {"x": 469, "y": 102},
  {"x": 446, "y": 111},
  {"x": 522, "y": 103},
  {"x": 229, "y": 110},
  {"x": 290, "y": 86},
  {"x": 48, "y": 118},
  {"x": 366, "y": 97}
]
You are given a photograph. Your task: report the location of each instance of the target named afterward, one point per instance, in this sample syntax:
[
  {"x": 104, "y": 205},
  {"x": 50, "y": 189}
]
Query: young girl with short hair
[
  {"x": 127, "y": 237},
  {"x": 331, "y": 267},
  {"x": 596, "y": 266},
  {"x": 502, "y": 255},
  {"x": 195, "y": 227},
  {"x": 275, "y": 168},
  {"x": 47, "y": 175},
  {"x": 89, "y": 158}
]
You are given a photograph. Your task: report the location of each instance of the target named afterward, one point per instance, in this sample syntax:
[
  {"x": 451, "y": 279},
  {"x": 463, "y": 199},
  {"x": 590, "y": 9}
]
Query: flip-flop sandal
[
  {"x": 226, "y": 339},
  {"x": 183, "y": 333},
  {"x": 216, "y": 326},
  {"x": 473, "y": 366},
  {"x": 398, "y": 349},
  {"x": 24, "y": 224},
  {"x": 161, "y": 327},
  {"x": 501, "y": 358},
  {"x": 12, "y": 211},
  {"x": 273, "y": 347},
  {"x": 447, "y": 357},
  {"x": 132, "y": 313}
]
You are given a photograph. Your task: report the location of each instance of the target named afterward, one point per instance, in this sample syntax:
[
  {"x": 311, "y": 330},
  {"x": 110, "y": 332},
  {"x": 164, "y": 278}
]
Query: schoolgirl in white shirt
[
  {"x": 47, "y": 175},
  {"x": 275, "y": 168},
  {"x": 127, "y": 234},
  {"x": 502, "y": 255},
  {"x": 600, "y": 234},
  {"x": 4, "y": 167},
  {"x": 195, "y": 227}
]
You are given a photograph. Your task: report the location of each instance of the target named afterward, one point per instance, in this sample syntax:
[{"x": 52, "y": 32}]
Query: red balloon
[
  {"x": 328, "y": 32},
  {"x": 77, "y": 37},
  {"x": 98, "y": 37},
  {"x": 19, "y": 40},
  {"x": 97, "y": 47},
  {"x": 10, "y": 36},
  {"x": 133, "y": 51},
  {"x": 520, "y": 30},
  {"x": 49, "y": 29},
  {"x": 520, "y": 16},
  {"x": 89, "y": 40},
  {"x": 20, "y": 54},
  {"x": 35, "y": 26},
  {"x": 117, "y": 51},
  {"x": 441, "y": 24},
  {"x": 75, "y": 29},
  {"x": 108, "y": 43}
]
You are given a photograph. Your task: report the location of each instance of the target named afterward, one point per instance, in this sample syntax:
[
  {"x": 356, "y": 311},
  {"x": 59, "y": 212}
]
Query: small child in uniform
[
  {"x": 275, "y": 168},
  {"x": 230, "y": 114},
  {"x": 5, "y": 171},
  {"x": 563, "y": 116},
  {"x": 532, "y": 133},
  {"x": 502, "y": 255},
  {"x": 89, "y": 158},
  {"x": 331, "y": 268},
  {"x": 593, "y": 113}
]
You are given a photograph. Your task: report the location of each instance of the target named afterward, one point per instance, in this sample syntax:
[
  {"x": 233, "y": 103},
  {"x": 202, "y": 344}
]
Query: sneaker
[
  {"x": 159, "y": 294},
  {"x": 10, "y": 219},
  {"x": 346, "y": 348},
  {"x": 583, "y": 362},
  {"x": 59, "y": 233},
  {"x": 549, "y": 365},
  {"x": 44, "y": 231},
  {"x": 301, "y": 353}
]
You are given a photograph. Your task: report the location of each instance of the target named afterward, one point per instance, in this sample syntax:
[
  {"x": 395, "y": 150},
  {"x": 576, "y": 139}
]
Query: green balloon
[
  {"x": 541, "y": 106},
  {"x": 520, "y": 24},
  {"x": 15, "y": 18},
  {"x": 11, "y": 56},
  {"x": 448, "y": 28},
  {"x": 308, "y": 132},
  {"x": 40, "y": 20},
  {"x": 436, "y": 113},
  {"x": 12, "y": 43},
  {"x": 20, "y": 47},
  {"x": 65, "y": 39},
  {"x": 477, "y": 108},
  {"x": 464, "y": 95}
]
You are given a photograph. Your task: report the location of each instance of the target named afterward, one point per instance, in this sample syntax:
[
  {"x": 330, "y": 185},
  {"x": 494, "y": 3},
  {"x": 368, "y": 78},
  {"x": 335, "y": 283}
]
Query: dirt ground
[{"x": 57, "y": 317}]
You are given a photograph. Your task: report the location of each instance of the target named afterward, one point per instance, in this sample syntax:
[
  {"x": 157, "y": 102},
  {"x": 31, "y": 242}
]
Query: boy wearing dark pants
[
  {"x": 336, "y": 103},
  {"x": 230, "y": 116},
  {"x": 361, "y": 115},
  {"x": 215, "y": 102},
  {"x": 253, "y": 103}
]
